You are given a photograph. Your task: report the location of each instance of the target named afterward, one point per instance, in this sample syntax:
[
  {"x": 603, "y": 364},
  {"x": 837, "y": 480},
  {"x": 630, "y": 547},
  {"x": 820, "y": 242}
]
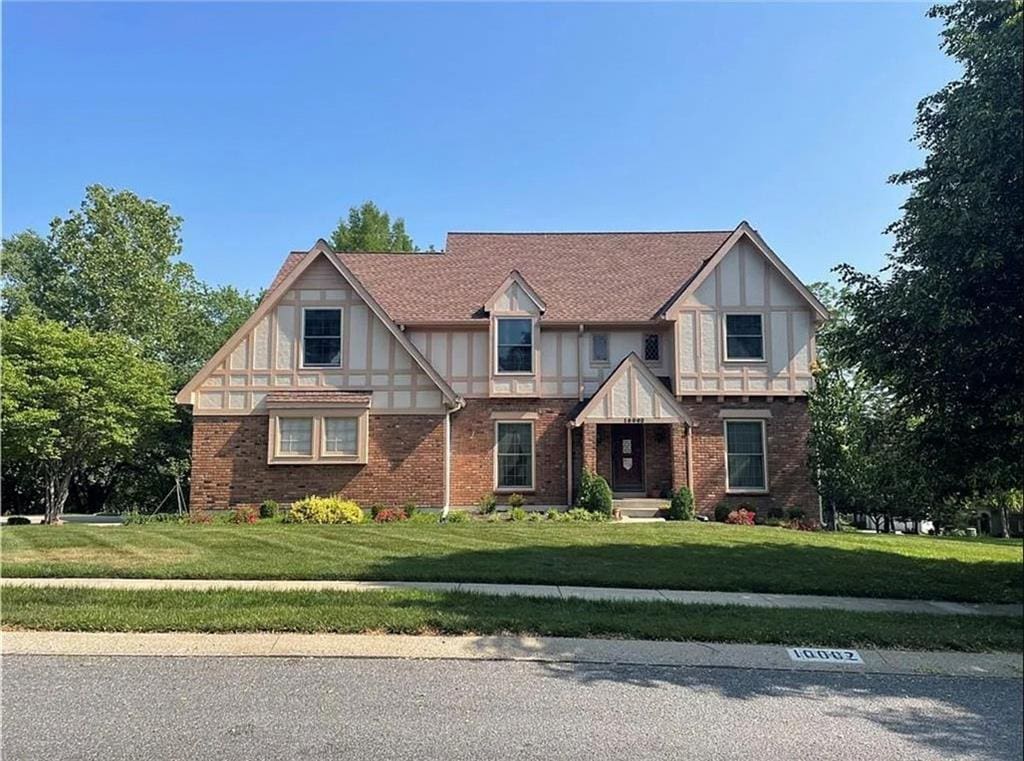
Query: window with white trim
[
  {"x": 515, "y": 345},
  {"x": 295, "y": 436},
  {"x": 744, "y": 336},
  {"x": 341, "y": 436},
  {"x": 599, "y": 348},
  {"x": 745, "y": 464},
  {"x": 514, "y": 453},
  {"x": 321, "y": 338},
  {"x": 652, "y": 347}
]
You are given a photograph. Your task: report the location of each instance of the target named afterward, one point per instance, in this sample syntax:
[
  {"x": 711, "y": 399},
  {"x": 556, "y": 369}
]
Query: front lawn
[
  {"x": 673, "y": 555},
  {"x": 415, "y": 612}
]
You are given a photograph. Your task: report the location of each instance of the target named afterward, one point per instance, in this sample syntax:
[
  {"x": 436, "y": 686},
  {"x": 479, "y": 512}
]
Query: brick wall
[
  {"x": 229, "y": 464},
  {"x": 789, "y": 480},
  {"x": 473, "y": 448}
]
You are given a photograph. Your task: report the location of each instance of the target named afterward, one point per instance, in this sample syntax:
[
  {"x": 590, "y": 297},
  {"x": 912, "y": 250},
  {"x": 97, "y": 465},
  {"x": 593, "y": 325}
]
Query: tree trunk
[
  {"x": 1004, "y": 523},
  {"x": 56, "y": 495}
]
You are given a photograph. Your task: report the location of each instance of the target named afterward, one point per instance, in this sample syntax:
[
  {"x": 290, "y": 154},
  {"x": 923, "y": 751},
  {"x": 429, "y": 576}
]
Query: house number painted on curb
[{"x": 819, "y": 654}]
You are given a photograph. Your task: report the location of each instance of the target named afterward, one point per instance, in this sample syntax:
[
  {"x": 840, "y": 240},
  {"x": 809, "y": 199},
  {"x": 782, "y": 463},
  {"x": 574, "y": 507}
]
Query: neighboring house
[{"x": 510, "y": 362}]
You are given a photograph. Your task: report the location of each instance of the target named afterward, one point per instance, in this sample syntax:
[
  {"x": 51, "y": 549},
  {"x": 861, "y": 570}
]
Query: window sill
[
  {"x": 750, "y": 361},
  {"x": 749, "y": 492},
  {"x": 523, "y": 374},
  {"x": 319, "y": 367},
  {"x": 514, "y": 490}
]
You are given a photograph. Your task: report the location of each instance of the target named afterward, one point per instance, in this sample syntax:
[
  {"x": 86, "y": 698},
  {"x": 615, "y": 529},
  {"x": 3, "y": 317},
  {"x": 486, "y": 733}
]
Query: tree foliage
[
  {"x": 112, "y": 267},
  {"x": 943, "y": 331},
  {"x": 368, "y": 228},
  {"x": 73, "y": 399}
]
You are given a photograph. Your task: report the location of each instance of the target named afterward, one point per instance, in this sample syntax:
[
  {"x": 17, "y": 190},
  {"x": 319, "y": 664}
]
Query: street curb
[
  {"x": 684, "y": 597},
  {"x": 495, "y": 648}
]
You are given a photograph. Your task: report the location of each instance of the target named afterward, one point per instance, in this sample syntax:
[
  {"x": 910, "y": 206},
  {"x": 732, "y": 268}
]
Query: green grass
[
  {"x": 677, "y": 556},
  {"x": 414, "y": 612}
]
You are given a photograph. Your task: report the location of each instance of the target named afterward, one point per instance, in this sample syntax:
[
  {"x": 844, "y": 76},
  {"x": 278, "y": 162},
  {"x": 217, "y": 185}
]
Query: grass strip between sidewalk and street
[{"x": 419, "y": 612}]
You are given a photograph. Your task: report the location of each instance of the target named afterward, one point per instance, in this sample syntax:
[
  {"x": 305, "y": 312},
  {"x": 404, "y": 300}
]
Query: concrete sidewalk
[
  {"x": 856, "y": 604},
  {"x": 540, "y": 649}
]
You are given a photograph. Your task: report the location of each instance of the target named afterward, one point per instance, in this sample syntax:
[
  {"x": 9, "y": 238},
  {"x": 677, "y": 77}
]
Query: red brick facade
[
  {"x": 406, "y": 458},
  {"x": 229, "y": 464}
]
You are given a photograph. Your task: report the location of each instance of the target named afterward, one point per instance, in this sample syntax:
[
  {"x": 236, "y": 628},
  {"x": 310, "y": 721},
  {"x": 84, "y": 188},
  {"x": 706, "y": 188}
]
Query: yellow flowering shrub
[{"x": 325, "y": 510}]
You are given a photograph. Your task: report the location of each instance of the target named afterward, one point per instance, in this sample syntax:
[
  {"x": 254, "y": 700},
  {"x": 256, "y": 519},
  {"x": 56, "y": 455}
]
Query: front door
[{"x": 628, "y": 458}]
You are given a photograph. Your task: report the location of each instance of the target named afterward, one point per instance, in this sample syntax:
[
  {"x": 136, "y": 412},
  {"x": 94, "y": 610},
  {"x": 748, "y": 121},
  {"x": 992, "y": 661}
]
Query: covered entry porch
[{"x": 634, "y": 433}]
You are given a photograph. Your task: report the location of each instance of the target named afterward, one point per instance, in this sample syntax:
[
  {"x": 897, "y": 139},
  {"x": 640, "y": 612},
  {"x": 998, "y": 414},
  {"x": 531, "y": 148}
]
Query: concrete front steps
[{"x": 639, "y": 507}]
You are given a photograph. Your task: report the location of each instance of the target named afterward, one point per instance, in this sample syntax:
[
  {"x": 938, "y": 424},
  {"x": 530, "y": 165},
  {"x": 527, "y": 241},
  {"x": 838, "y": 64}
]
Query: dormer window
[{"x": 515, "y": 345}]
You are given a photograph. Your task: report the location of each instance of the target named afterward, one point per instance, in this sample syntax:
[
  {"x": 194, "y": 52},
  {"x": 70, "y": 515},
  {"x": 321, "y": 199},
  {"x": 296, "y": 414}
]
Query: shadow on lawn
[
  {"x": 754, "y": 567},
  {"x": 950, "y": 717}
]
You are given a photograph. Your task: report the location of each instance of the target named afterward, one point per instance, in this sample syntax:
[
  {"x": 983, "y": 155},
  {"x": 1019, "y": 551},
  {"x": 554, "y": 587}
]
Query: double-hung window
[
  {"x": 514, "y": 453},
  {"x": 341, "y": 436},
  {"x": 294, "y": 436},
  {"x": 321, "y": 338},
  {"x": 515, "y": 345},
  {"x": 599, "y": 348},
  {"x": 745, "y": 469},
  {"x": 744, "y": 336}
]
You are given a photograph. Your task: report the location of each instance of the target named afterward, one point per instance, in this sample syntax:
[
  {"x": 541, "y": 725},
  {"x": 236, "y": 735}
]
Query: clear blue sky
[{"x": 261, "y": 124}]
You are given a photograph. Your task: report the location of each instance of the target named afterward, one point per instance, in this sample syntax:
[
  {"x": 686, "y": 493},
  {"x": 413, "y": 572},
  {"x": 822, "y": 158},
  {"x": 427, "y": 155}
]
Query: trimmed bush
[
  {"x": 681, "y": 506},
  {"x": 487, "y": 504},
  {"x": 741, "y": 517},
  {"x": 515, "y": 500},
  {"x": 269, "y": 509},
  {"x": 595, "y": 494},
  {"x": 517, "y": 514},
  {"x": 325, "y": 510},
  {"x": 722, "y": 511},
  {"x": 18, "y": 520},
  {"x": 245, "y": 515},
  {"x": 390, "y": 515}
]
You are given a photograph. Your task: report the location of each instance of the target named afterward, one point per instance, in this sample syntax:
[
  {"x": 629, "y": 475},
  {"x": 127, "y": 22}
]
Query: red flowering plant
[
  {"x": 245, "y": 515},
  {"x": 390, "y": 515},
  {"x": 741, "y": 517}
]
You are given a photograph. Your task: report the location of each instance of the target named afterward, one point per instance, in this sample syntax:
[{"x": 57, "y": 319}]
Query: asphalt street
[{"x": 226, "y": 708}]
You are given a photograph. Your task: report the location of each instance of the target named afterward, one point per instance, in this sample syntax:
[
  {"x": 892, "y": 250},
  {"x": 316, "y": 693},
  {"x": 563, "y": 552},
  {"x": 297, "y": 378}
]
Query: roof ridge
[{"x": 591, "y": 232}]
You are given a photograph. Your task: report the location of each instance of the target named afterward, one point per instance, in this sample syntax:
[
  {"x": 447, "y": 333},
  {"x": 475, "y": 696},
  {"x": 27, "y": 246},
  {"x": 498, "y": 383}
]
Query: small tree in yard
[
  {"x": 681, "y": 506},
  {"x": 73, "y": 398}
]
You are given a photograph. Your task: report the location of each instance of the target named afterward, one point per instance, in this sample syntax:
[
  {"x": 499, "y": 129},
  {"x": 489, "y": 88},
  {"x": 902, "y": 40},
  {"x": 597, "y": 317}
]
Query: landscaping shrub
[
  {"x": 390, "y": 515},
  {"x": 423, "y": 517},
  {"x": 410, "y": 508},
  {"x": 796, "y": 513},
  {"x": 269, "y": 509},
  {"x": 458, "y": 516},
  {"x": 517, "y": 513},
  {"x": 245, "y": 515},
  {"x": 534, "y": 517},
  {"x": 487, "y": 504},
  {"x": 741, "y": 517},
  {"x": 375, "y": 509},
  {"x": 722, "y": 511},
  {"x": 199, "y": 517},
  {"x": 681, "y": 506},
  {"x": 595, "y": 494},
  {"x": 515, "y": 500},
  {"x": 553, "y": 515},
  {"x": 579, "y": 514},
  {"x": 135, "y": 518},
  {"x": 18, "y": 520},
  {"x": 325, "y": 510}
]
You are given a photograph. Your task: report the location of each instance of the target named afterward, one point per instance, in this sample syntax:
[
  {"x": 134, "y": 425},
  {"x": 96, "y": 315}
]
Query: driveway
[{"x": 103, "y": 707}]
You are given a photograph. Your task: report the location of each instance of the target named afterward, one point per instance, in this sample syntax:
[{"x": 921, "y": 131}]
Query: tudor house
[{"x": 510, "y": 362}]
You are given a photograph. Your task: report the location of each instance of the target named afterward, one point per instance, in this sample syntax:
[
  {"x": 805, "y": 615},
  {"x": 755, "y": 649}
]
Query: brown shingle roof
[{"x": 586, "y": 277}]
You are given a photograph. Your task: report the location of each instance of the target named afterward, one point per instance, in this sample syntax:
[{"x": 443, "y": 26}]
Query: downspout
[
  {"x": 446, "y": 507},
  {"x": 689, "y": 457},
  {"x": 568, "y": 464}
]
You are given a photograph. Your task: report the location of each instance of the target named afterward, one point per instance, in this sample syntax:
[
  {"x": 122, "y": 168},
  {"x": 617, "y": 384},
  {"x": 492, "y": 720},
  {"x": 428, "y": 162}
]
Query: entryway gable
[{"x": 631, "y": 394}]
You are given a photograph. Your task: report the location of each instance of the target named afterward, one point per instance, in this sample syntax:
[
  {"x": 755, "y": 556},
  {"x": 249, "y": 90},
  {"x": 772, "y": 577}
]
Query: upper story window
[
  {"x": 515, "y": 345},
  {"x": 599, "y": 348},
  {"x": 745, "y": 469},
  {"x": 652, "y": 347},
  {"x": 321, "y": 338},
  {"x": 744, "y": 336}
]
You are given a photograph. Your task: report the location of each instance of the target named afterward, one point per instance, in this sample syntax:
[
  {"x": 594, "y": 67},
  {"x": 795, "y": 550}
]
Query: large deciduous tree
[
  {"x": 368, "y": 228},
  {"x": 73, "y": 398},
  {"x": 943, "y": 330}
]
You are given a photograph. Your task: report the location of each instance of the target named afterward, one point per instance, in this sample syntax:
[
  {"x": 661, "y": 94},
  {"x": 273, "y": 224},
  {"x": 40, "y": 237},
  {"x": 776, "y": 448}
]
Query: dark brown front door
[{"x": 627, "y": 458}]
